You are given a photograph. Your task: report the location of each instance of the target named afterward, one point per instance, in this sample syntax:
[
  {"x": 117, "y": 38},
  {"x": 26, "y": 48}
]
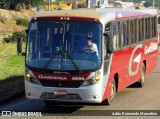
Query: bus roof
[{"x": 99, "y": 13}]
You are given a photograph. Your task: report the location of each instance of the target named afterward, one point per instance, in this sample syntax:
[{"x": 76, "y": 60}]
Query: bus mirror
[
  {"x": 105, "y": 34},
  {"x": 22, "y": 36},
  {"x": 19, "y": 45},
  {"x": 26, "y": 31},
  {"x": 24, "y": 54},
  {"x": 110, "y": 48}
]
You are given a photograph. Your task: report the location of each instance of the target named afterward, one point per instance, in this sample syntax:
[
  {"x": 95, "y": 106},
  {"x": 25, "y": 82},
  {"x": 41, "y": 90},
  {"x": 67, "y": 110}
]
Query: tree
[
  {"x": 13, "y": 4},
  {"x": 2, "y": 3},
  {"x": 36, "y": 3},
  {"x": 149, "y": 3}
]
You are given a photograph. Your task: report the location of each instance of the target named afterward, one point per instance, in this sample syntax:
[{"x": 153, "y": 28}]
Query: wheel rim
[
  {"x": 143, "y": 75},
  {"x": 112, "y": 92}
]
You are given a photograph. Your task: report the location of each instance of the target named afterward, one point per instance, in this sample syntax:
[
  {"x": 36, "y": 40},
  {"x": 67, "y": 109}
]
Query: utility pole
[
  {"x": 75, "y": 4},
  {"x": 99, "y": 2},
  {"x": 49, "y": 3},
  {"x": 88, "y": 3},
  {"x": 153, "y": 3}
]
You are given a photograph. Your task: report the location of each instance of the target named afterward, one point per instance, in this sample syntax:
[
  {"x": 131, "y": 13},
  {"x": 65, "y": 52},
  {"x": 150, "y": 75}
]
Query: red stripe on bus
[
  {"x": 68, "y": 18},
  {"x": 61, "y": 77}
]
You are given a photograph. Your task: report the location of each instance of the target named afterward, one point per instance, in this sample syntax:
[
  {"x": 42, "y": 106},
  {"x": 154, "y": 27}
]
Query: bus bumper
[{"x": 84, "y": 94}]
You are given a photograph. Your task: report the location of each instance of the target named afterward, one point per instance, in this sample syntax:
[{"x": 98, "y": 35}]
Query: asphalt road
[{"x": 147, "y": 98}]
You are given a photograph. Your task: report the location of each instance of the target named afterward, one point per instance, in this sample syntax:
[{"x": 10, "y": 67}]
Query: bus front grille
[
  {"x": 60, "y": 84},
  {"x": 46, "y": 95}
]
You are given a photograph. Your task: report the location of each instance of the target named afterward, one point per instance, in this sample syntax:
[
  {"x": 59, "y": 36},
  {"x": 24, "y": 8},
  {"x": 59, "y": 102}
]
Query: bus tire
[
  {"x": 109, "y": 100},
  {"x": 141, "y": 83}
]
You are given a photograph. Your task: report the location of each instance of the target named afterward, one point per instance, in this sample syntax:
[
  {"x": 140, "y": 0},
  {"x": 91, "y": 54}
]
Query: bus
[{"x": 61, "y": 61}]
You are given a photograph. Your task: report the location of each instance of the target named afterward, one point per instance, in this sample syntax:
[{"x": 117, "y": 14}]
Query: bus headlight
[
  {"x": 31, "y": 79},
  {"x": 27, "y": 76},
  {"x": 91, "y": 81},
  {"x": 34, "y": 80}
]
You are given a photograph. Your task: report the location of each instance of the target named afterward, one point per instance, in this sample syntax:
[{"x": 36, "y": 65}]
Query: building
[{"x": 99, "y": 3}]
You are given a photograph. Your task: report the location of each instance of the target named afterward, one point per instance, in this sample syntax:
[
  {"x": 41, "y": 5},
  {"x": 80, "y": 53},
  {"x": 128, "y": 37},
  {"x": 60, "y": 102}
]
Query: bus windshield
[{"x": 64, "y": 45}]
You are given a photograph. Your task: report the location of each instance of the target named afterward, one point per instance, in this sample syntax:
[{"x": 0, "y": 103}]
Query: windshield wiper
[
  {"x": 58, "y": 52},
  {"x": 72, "y": 61}
]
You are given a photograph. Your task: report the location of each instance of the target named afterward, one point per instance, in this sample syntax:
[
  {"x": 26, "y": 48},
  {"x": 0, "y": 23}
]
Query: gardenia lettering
[
  {"x": 52, "y": 77},
  {"x": 151, "y": 48}
]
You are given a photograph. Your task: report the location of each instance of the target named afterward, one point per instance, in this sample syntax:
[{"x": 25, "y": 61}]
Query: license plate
[{"x": 60, "y": 92}]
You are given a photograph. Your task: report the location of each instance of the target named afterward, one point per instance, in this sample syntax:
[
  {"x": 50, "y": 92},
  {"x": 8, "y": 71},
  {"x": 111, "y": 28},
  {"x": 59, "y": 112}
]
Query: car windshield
[{"x": 70, "y": 45}]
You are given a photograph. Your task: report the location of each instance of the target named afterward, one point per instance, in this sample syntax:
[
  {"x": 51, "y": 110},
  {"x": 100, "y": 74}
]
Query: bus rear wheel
[
  {"x": 109, "y": 100},
  {"x": 143, "y": 76}
]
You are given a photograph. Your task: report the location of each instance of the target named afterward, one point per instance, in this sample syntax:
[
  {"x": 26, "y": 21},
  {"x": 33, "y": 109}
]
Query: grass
[
  {"x": 11, "y": 64},
  {"x": 11, "y": 70}
]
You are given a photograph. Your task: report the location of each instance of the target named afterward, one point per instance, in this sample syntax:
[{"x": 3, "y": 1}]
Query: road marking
[{"x": 15, "y": 105}]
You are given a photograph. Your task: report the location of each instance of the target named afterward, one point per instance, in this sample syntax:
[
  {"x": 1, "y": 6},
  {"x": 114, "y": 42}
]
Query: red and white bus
[{"x": 58, "y": 68}]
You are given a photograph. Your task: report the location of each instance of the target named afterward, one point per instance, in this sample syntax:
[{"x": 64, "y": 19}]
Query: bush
[
  {"x": 82, "y": 5},
  {"x": 6, "y": 40},
  {"x": 14, "y": 37},
  {"x": 23, "y": 22}
]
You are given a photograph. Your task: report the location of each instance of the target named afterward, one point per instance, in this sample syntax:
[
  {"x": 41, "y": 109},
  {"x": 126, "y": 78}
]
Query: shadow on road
[
  {"x": 65, "y": 108},
  {"x": 61, "y": 109},
  {"x": 11, "y": 87}
]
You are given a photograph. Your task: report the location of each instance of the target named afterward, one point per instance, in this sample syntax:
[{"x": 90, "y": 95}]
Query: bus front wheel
[{"x": 109, "y": 100}]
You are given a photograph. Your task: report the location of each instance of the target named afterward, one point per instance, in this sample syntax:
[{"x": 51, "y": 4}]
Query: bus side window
[
  {"x": 150, "y": 20},
  {"x": 124, "y": 34},
  {"x": 106, "y": 53},
  {"x": 147, "y": 28},
  {"x": 133, "y": 32},
  {"x": 116, "y": 35},
  {"x": 155, "y": 27},
  {"x": 140, "y": 29},
  {"x": 144, "y": 29}
]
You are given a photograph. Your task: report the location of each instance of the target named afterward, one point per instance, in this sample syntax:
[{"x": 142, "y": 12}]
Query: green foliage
[
  {"x": 14, "y": 4},
  {"x": 36, "y": 2},
  {"x": 14, "y": 37},
  {"x": 82, "y": 5},
  {"x": 23, "y": 22},
  {"x": 13, "y": 66},
  {"x": 6, "y": 40},
  {"x": 149, "y": 3}
]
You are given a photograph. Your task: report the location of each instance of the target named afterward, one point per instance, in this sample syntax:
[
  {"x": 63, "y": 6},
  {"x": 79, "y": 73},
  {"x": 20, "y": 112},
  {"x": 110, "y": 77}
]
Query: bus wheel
[
  {"x": 109, "y": 100},
  {"x": 143, "y": 76}
]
